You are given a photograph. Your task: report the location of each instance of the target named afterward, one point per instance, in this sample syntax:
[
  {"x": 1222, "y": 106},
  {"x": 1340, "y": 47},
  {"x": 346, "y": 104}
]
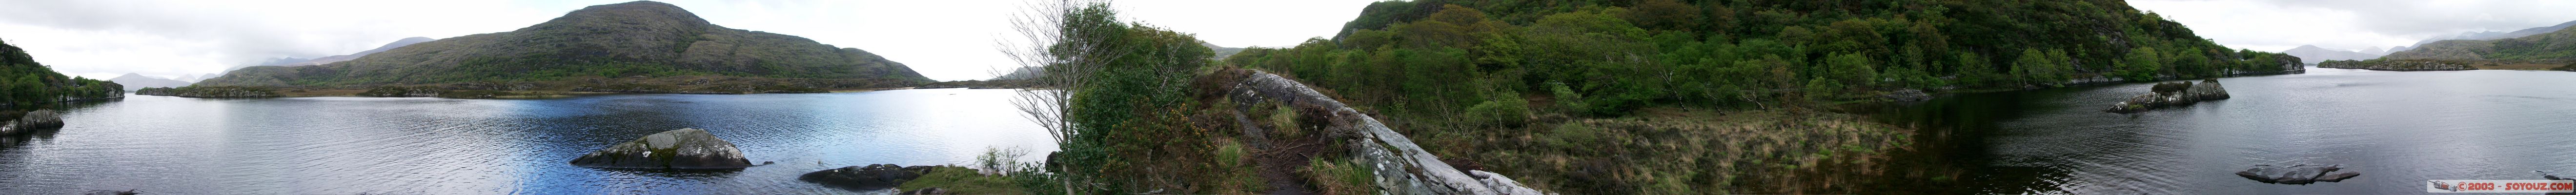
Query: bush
[
  {"x": 1502, "y": 110},
  {"x": 1566, "y": 99}
]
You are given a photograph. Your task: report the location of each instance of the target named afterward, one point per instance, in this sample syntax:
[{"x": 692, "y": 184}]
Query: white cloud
[
  {"x": 945, "y": 40},
  {"x": 2276, "y": 25}
]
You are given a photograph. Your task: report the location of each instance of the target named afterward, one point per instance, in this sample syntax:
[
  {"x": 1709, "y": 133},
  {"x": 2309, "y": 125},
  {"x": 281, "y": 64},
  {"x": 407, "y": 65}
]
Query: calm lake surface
[
  {"x": 346, "y": 145},
  {"x": 2397, "y": 128}
]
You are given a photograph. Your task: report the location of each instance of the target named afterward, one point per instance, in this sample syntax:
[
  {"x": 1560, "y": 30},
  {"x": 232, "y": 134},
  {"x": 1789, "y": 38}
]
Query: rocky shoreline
[
  {"x": 2397, "y": 65},
  {"x": 42, "y": 119},
  {"x": 209, "y": 91}
]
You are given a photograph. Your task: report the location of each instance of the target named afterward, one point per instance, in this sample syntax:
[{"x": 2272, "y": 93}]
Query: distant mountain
[
  {"x": 2492, "y": 35},
  {"x": 138, "y": 82},
  {"x": 2312, "y": 54},
  {"x": 1022, "y": 73},
  {"x": 379, "y": 49},
  {"x": 2556, "y": 45},
  {"x": 635, "y": 39},
  {"x": 1221, "y": 52}
]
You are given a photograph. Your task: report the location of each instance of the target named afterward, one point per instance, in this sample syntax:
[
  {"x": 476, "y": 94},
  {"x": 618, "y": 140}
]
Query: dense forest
[
  {"x": 642, "y": 38},
  {"x": 23, "y": 82}
]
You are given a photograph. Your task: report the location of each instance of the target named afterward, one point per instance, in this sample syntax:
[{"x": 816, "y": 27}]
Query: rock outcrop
[
  {"x": 32, "y": 121},
  {"x": 2398, "y": 65},
  {"x": 2298, "y": 174},
  {"x": 871, "y": 177},
  {"x": 1401, "y": 167},
  {"x": 2172, "y": 94},
  {"x": 210, "y": 92},
  {"x": 687, "y": 148}
]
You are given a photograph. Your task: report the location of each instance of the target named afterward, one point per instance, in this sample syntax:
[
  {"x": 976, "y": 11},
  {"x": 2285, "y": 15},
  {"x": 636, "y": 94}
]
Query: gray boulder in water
[
  {"x": 2298, "y": 174},
  {"x": 32, "y": 121},
  {"x": 686, "y": 148},
  {"x": 2172, "y": 94}
]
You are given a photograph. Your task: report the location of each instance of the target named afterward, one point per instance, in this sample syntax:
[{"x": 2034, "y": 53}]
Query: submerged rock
[
  {"x": 32, "y": 121},
  {"x": 687, "y": 148},
  {"x": 2298, "y": 174},
  {"x": 871, "y": 177},
  {"x": 2172, "y": 94}
]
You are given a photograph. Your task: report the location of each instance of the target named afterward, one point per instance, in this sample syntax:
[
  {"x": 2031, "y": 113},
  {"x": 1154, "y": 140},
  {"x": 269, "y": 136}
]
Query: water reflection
[
  {"x": 342, "y": 145},
  {"x": 2397, "y": 128}
]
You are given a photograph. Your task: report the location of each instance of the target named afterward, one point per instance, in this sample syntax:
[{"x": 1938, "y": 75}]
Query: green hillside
[
  {"x": 642, "y": 38},
  {"x": 1713, "y": 96},
  {"x": 23, "y": 82},
  {"x": 1625, "y": 54},
  {"x": 2558, "y": 45}
]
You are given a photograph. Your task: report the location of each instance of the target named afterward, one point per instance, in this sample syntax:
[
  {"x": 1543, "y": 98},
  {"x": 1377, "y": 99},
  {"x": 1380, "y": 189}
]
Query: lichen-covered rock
[
  {"x": 871, "y": 177},
  {"x": 2172, "y": 94},
  {"x": 32, "y": 121},
  {"x": 687, "y": 148}
]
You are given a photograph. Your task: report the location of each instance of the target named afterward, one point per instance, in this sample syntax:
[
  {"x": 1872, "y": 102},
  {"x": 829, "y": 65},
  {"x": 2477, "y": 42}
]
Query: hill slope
[
  {"x": 2557, "y": 45},
  {"x": 379, "y": 49},
  {"x": 2493, "y": 35},
  {"x": 642, "y": 38}
]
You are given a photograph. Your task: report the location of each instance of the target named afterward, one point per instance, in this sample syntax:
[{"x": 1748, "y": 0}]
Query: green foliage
[
  {"x": 25, "y": 84},
  {"x": 1500, "y": 111},
  {"x": 2141, "y": 65},
  {"x": 1821, "y": 89}
]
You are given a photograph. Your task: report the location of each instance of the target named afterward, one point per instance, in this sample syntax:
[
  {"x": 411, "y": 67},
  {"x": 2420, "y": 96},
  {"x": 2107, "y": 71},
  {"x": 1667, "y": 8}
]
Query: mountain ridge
[{"x": 640, "y": 38}]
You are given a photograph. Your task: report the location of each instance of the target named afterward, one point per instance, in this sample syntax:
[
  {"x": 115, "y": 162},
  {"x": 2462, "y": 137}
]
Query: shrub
[{"x": 1502, "y": 110}]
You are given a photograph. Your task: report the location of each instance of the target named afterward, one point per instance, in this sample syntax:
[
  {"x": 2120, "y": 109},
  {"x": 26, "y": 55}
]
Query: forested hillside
[
  {"x": 642, "y": 38},
  {"x": 1716, "y": 96},
  {"x": 1731, "y": 52},
  {"x": 23, "y": 82}
]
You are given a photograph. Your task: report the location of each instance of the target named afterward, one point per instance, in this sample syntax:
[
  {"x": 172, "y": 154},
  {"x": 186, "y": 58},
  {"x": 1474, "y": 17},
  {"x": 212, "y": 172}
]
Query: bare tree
[{"x": 1065, "y": 41}]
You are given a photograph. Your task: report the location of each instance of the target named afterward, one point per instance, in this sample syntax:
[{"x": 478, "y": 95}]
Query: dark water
[
  {"x": 2398, "y": 128},
  {"x": 345, "y": 145}
]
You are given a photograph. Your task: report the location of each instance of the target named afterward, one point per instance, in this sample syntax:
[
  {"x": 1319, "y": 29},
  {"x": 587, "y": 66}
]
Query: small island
[{"x": 2172, "y": 94}]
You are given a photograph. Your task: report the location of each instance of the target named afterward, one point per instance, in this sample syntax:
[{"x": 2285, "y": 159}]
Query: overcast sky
[
  {"x": 2276, "y": 25},
  {"x": 952, "y": 39},
  {"x": 942, "y": 39}
]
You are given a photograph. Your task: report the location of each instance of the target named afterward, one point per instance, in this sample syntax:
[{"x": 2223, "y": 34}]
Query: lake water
[
  {"x": 2397, "y": 128},
  {"x": 346, "y": 145}
]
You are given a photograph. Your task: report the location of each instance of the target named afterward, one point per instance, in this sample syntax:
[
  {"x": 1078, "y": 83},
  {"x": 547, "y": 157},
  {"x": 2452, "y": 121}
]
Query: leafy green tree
[{"x": 2141, "y": 65}]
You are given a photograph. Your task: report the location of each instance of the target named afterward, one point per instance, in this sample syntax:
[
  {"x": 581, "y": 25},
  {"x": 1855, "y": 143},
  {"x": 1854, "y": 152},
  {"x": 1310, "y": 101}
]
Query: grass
[
  {"x": 963, "y": 181},
  {"x": 1340, "y": 177}
]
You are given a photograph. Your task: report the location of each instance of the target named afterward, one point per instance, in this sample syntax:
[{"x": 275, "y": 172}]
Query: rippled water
[
  {"x": 2397, "y": 128},
  {"x": 344, "y": 145}
]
